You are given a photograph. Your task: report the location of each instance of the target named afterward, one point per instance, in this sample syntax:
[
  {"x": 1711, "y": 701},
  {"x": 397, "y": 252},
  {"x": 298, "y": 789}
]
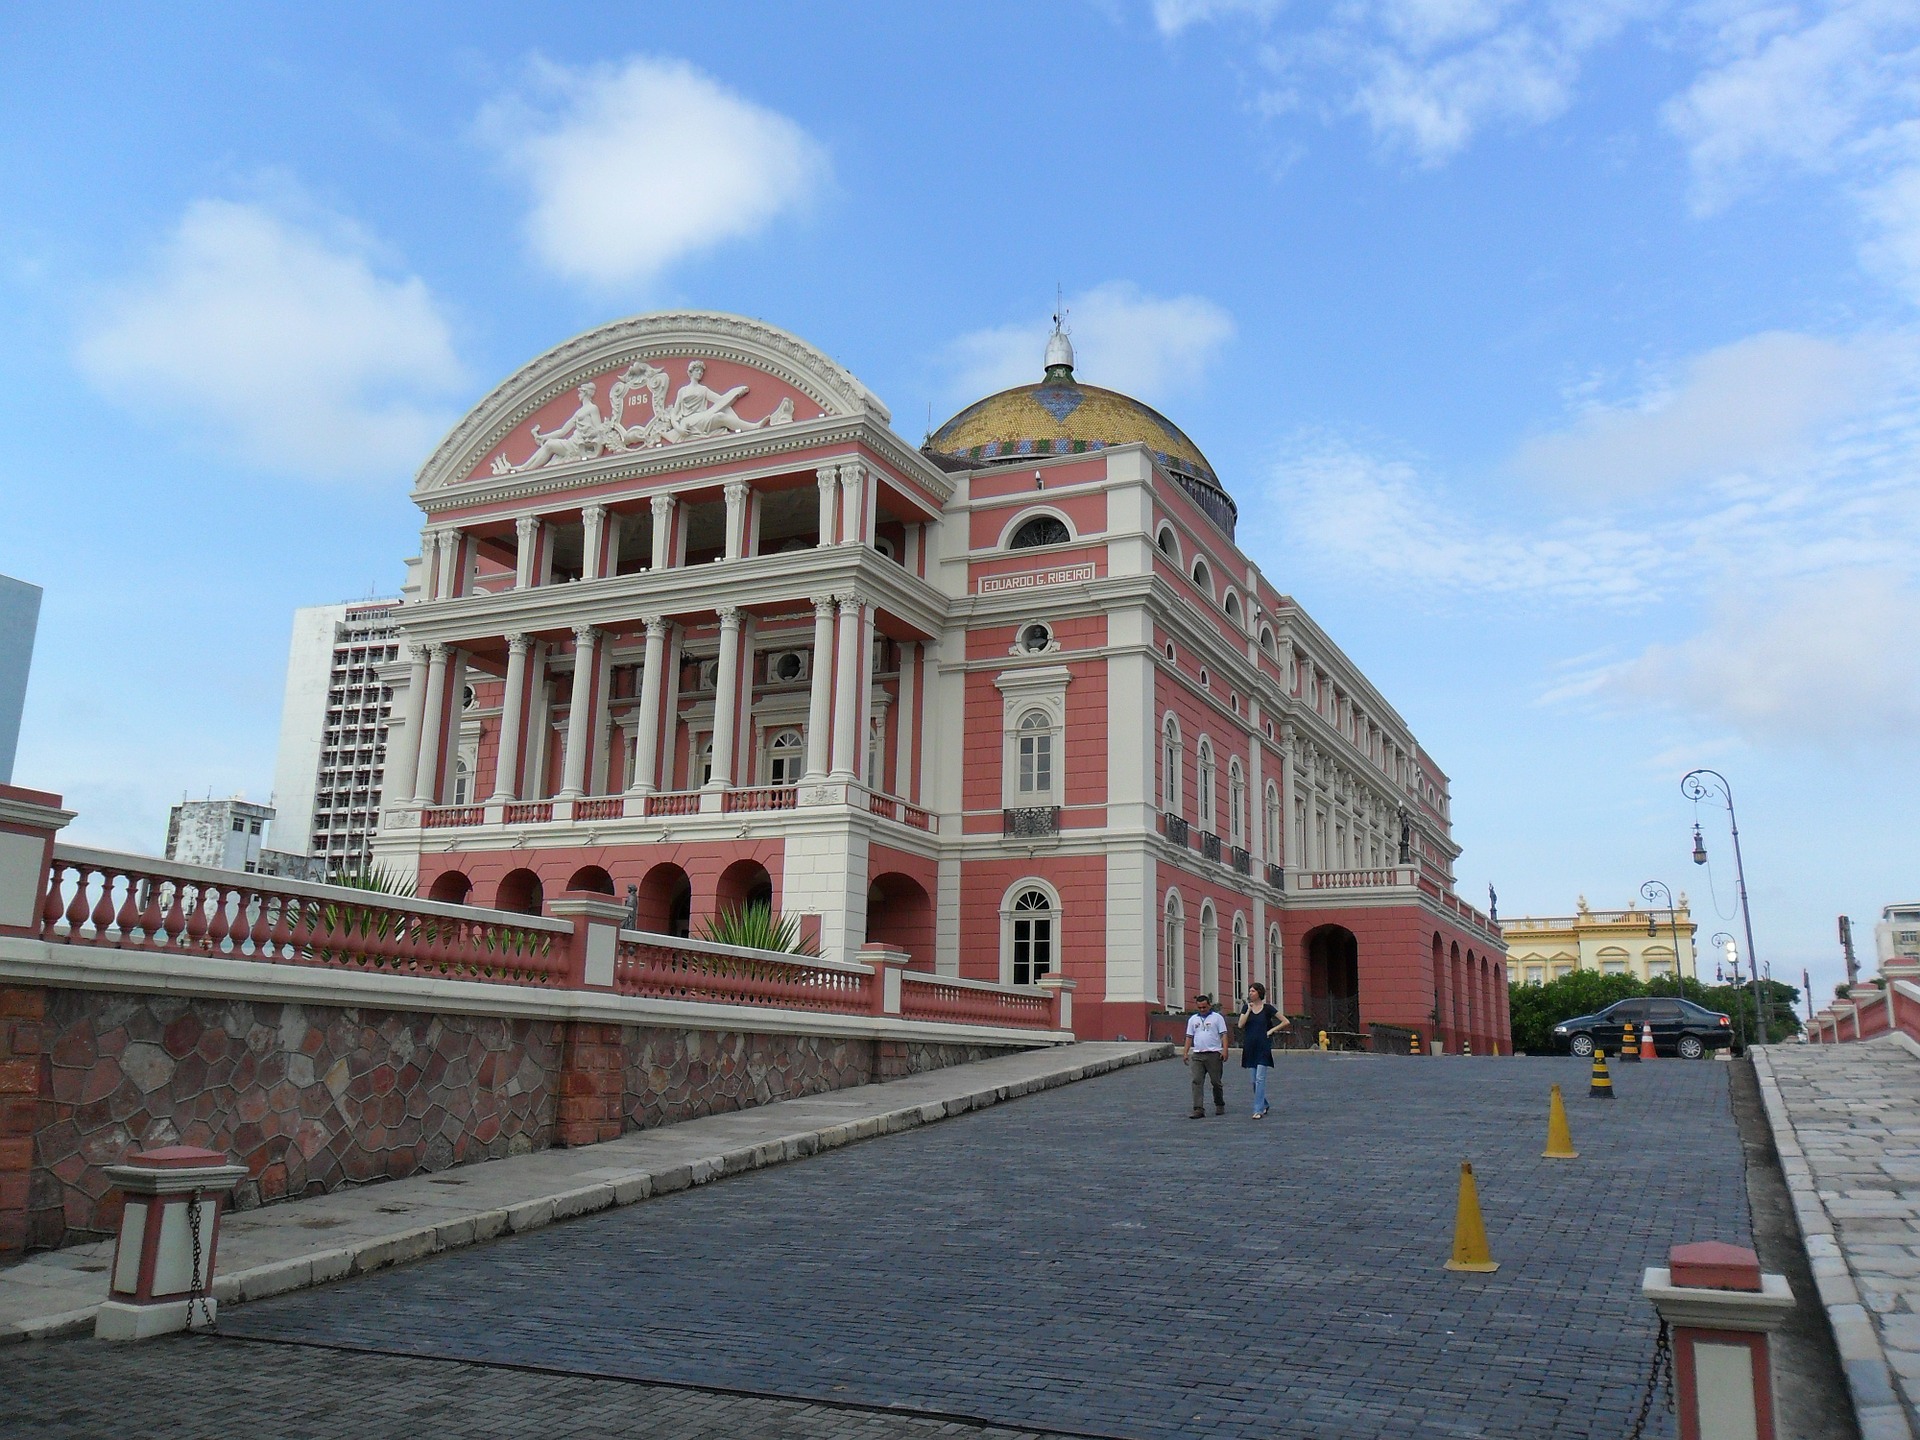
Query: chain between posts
[
  {"x": 195, "y": 1289},
  {"x": 1660, "y": 1370}
]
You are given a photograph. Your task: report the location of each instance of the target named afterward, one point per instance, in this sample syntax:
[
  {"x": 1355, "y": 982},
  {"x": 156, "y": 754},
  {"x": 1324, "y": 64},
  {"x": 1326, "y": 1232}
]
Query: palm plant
[{"x": 757, "y": 927}]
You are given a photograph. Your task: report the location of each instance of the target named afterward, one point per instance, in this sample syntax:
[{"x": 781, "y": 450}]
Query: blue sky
[{"x": 1562, "y": 356}]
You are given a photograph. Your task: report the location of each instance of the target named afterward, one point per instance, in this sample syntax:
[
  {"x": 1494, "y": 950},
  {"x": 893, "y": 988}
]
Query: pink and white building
[{"x": 691, "y": 622}]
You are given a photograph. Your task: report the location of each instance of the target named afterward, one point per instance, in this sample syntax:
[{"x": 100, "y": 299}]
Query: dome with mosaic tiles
[{"x": 1061, "y": 416}]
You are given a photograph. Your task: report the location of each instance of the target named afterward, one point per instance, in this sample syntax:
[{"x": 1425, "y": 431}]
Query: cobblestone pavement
[
  {"x": 1855, "y": 1116},
  {"x": 1090, "y": 1261}
]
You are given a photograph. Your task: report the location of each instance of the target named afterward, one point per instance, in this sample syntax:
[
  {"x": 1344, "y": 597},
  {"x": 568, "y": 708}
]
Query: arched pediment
[{"x": 672, "y": 378}]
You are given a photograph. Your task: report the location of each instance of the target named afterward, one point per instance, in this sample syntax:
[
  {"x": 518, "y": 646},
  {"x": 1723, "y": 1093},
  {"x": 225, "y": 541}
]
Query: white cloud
[
  {"x": 1173, "y": 16},
  {"x": 1758, "y": 403},
  {"x": 1825, "y": 661},
  {"x": 280, "y": 344},
  {"x": 634, "y": 167},
  {"x": 1142, "y": 345}
]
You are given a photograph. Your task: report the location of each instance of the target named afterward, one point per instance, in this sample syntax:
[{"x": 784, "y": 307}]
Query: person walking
[
  {"x": 1206, "y": 1055},
  {"x": 1258, "y": 1022}
]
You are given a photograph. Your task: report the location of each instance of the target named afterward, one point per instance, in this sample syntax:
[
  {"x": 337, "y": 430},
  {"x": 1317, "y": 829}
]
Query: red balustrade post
[
  {"x": 1059, "y": 1001},
  {"x": 591, "y": 1082},
  {"x": 1721, "y": 1311},
  {"x": 886, "y": 962},
  {"x": 596, "y": 922},
  {"x": 29, "y": 819}
]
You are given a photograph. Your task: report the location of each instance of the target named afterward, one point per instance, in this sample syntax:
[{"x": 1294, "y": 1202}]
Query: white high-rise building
[
  {"x": 19, "y": 616},
  {"x": 333, "y": 731}
]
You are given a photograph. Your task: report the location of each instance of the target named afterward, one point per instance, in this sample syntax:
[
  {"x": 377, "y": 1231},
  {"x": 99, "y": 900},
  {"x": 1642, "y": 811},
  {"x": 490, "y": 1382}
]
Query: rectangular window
[
  {"x": 1036, "y": 764},
  {"x": 239, "y": 827}
]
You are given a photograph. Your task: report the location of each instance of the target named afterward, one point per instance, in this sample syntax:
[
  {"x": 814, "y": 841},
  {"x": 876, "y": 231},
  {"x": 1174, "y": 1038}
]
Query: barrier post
[
  {"x": 162, "y": 1276},
  {"x": 1059, "y": 1000},
  {"x": 1721, "y": 1311}
]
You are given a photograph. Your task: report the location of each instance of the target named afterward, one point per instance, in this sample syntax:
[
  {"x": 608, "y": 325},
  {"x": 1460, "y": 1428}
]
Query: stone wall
[{"x": 312, "y": 1098}]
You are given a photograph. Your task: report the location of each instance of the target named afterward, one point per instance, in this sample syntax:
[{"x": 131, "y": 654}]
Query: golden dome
[{"x": 1061, "y": 416}]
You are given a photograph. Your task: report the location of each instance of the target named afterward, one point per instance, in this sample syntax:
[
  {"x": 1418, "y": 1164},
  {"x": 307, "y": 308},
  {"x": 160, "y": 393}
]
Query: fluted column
[
  {"x": 593, "y": 536},
  {"x": 849, "y": 711},
  {"x": 737, "y": 493},
  {"x": 403, "y": 759},
  {"x": 903, "y": 724},
  {"x": 853, "y": 504},
  {"x": 526, "y": 531},
  {"x": 426, "y": 782},
  {"x": 506, "y": 768},
  {"x": 663, "y": 530},
  {"x": 586, "y": 642},
  {"x": 828, "y": 479},
  {"x": 820, "y": 690},
  {"x": 726, "y": 699},
  {"x": 646, "y": 740}
]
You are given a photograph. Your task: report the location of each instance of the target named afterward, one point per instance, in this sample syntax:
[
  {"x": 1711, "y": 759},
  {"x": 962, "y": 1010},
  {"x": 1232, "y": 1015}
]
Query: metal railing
[
  {"x": 1030, "y": 820},
  {"x": 1175, "y": 828},
  {"x": 1209, "y": 845}
]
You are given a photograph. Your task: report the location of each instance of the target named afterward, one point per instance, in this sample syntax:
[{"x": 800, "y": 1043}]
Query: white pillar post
[
  {"x": 646, "y": 743},
  {"x": 828, "y": 479},
  {"x": 526, "y": 532},
  {"x": 506, "y": 776},
  {"x": 593, "y": 536},
  {"x": 449, "y": 577},
  {"x": 426, "y": 784},
  {"x": 846, "y": 707},
  {"x": 737, "y": 493},
  {"x": 853, "y": 504},
  {"x": 663, "y": 506},
  {"x": 403, "y": 759},
  {"x": 726, "y": 699},
  {"x": 904, "y": 723},
  {"x": 579, "y": 727},
  {"x": 820, "y": 689}
]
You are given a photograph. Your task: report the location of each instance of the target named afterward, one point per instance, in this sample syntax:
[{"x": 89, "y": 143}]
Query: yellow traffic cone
[
  {"x": 1466, "y": 1048},
  {"x": 1413, "y": 1043},
  {"x": 1602, "y": 1086},
  {"x": 1470, "y": 1250},
  {"x": 1629, "y": 1042},
  {"x": 1559, "y": 1138}
]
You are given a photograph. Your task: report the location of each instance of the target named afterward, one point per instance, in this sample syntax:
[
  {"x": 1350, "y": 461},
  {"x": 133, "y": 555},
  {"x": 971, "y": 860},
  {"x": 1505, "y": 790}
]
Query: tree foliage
[
  {"x": 757, "y": 927},
  {"x": 1536, "y": 1009}
]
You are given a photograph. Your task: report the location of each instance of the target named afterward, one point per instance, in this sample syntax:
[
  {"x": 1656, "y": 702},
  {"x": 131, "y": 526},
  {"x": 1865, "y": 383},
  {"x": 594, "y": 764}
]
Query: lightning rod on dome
[{"x": 1059, "y": 361}]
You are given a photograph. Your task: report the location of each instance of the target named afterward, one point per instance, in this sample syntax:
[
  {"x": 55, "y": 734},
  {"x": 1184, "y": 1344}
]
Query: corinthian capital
[
  {"x": 663, "y": 506},
  {"x": 584, "y": 635},
  {"x": 729, "y": 617},
  {"x": 519, "y": 644}
]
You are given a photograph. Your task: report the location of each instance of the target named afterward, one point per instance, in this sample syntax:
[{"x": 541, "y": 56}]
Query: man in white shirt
[{"x": 1206, "y": 1055}]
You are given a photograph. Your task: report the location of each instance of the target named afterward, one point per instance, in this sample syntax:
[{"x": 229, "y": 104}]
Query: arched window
[
  {"x": 1040, "y": 530},
  {"x": 1273, "y": 823},
  {"x": 1031, "y": 936},
  {"x": 1274, "y": 976},
  {"x": 1232, "y": 606},
  {"x": 1202, "y": 576},
  {"x": 1266, "y": 639},
  {"x": 1236, "y": 801},
  {"x": 706, "y": 761},
  {"x": 462, "y": 782},
  {"x": 1209, "y": 952},
  {"x": 784, "y": 755},
  {"x": 1167, "y": 543},
  {"x": 1170, "y": 767},
  {"x": 1204, "y": 783},
  {"x": 1240, "y": 951},
  {"x": 1173, "y": 969},
  {"x": 1035, "y": 750}
]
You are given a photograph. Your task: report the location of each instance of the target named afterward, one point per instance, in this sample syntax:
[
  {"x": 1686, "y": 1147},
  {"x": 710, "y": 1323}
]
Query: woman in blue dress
[{"x": 1258, "y": 1022}]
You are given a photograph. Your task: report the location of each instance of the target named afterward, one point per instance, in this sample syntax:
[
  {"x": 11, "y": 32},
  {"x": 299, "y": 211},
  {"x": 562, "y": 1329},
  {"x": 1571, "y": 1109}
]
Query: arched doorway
[
  {"x": 900, "y": 913},
  {"x": 450, "y": 888},
  {"x": 593, "y": 879},
  {"x": 743, "y": 883},
  {"x": 1333, "y": 979},
  {"x": 665, "y": 903},
  {"x": 520, "y": 892}
]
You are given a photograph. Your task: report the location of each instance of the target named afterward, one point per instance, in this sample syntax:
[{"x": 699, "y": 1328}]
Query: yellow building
[{"x": 1640, "y": 943}]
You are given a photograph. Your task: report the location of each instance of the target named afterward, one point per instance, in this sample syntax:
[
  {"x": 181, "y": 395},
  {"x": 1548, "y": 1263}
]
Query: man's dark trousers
[{"x": 1209, "y": 1065}]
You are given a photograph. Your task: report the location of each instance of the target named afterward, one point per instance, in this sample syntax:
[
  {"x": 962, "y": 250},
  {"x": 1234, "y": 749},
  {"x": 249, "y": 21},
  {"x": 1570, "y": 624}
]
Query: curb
[
  {"x": 1876, "y": 1404},
  {"x": 301, "y": 1272}
]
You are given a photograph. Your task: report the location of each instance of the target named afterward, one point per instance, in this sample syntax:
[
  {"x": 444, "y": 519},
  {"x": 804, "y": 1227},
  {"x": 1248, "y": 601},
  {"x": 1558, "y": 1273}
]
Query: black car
[{"x": 1680, "y": 1028}]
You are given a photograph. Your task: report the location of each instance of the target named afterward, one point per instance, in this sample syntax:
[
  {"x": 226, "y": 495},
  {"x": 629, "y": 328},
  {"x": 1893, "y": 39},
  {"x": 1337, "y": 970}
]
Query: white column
[
  {"x": 593, "y": 534},
  {"x": 646, "y": 742},
  {"x": 1256, "y": 821},
  {"x": 579, "y": 728},
  {"x": 828, "y": 479},
  {"x": 527, "y": 532},
  {"x": 427, "y": 779},
  {"x": 663, "y": 531},
  {"x": 403, "y": 759},
  {"x": 904, "y": 725},
  {"x": 853, "y": 504},
  {"x": 506, "y": 777},
  {"x": 737, "y": 492},
  {"x": 726, "y": 699},
  {"x": 820, "y": 688},
  {"x": 449, "y": 541},
  {"x": 847, "y": 711}
]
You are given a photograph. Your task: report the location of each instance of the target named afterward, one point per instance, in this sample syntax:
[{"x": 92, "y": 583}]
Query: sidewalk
[{"x": 299, "y": 1243}]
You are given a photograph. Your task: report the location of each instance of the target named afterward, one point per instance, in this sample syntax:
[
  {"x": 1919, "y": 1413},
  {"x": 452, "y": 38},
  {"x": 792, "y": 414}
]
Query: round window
[{"x": 1035, "y": 638}]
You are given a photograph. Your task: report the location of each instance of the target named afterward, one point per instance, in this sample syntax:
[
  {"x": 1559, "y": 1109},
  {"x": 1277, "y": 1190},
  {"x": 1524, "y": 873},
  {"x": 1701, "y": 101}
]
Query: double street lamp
[
  {"x": 1654, "y": 890},
  {"x": 1727, "y": 946},
  {"x": 1698, "y": 785}
]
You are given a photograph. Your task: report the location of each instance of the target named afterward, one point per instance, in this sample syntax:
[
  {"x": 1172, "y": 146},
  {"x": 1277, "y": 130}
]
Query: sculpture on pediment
[{"x": 695, "y": 413}]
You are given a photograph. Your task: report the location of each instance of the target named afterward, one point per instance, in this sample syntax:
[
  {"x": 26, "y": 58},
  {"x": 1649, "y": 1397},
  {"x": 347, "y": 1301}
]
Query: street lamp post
[
  {"x": 1650, "y": 892},
  {"x": 1725, "y": 944},
  {"x": 1698, "y": 785}
]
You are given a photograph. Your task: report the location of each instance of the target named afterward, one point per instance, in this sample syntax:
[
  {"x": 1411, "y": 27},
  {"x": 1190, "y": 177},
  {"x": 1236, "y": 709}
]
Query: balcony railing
[
  {"x": 1209, "y": 845},
  {"x": 1277, "y": 876},
  {"x": 892, "y": 807},
  {"x": 607, "y": 807},
  {"x": 533, "y": 812},
  {"x": 972, "y": 1002},
  {"x": 677, "y": 802},
  {"x": 442, "y": 817},
  {"x": 1175, "y": 829},
  {"x": 1030, "y": 820},
  {"x": 1242, "y": 860},
  {"x": 763, "y": 797}
]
